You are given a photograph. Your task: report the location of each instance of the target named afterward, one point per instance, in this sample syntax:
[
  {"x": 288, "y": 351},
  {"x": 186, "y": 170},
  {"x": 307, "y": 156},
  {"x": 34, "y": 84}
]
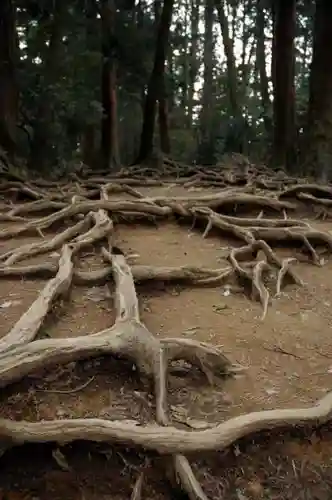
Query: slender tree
[
  {"x": 206, "y": 139},
  {"x": 109, "y": 134},
  {"x": 155, "y": 81},
  {"x": 319, "y": 129},
  {"x": 165, "y": 143},
  {"x": 230, "y": 59},
  {"x": 193, "y": 59},
  {"x": 42, "y": 141},
  {"x": 283, "y": 70},
  {"x": 8, "y": 82},
  {"x": 261, "y": 66}
]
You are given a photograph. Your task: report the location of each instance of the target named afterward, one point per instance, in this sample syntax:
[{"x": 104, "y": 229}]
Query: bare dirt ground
[{"x": 287, "y": 361}]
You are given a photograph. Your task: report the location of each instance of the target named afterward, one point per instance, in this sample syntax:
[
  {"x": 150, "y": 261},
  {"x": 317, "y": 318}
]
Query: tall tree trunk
[
  {"x": 206, "y": 146},
  {"x": 163, "y": 121},
  {"x": 319, "y": 131},
  {"x": 284, "y": 136},
  {"x": 155, "y": 82},
  {"x": 185, "y": 59},
  {"x": 87, "y": 140},
  {"x": 165, "y": 142},
  {"x": 230, "y": 59},
  {"x": 8, "y": 84},
  {"x": 88, "y": 145},
  {"x": 193, "y": 63},
  {"x": 261, "y": 67},
  {"x": 42, "y": 142},
  {"x": 109, "y": 130}
]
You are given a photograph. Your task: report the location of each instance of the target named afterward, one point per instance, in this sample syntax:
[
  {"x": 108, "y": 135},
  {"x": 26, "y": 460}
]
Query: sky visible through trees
[{"x": 224, "y": 77}]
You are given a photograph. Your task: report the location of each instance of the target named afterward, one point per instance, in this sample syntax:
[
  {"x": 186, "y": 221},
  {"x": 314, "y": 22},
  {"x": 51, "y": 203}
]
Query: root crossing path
[{"x": 84, "y": 215}]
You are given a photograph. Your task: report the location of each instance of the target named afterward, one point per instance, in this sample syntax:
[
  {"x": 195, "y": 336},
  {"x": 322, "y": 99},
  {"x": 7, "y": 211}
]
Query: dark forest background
[{"x": 115, "y": 82}]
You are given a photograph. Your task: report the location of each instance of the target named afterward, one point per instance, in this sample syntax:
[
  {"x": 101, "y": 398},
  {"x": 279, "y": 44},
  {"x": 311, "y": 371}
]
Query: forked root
[
  {"x": 252, "y": 273},
  {"x": 127, "y": 338}
]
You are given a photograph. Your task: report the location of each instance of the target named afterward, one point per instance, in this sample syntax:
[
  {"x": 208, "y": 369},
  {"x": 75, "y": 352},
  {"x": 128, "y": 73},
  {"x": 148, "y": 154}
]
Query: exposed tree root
[
  {"x": 315, "y": 190},
  {"x": 20, "y": 253},
  {"x": 90, "y": 221},
  {"x": 164, "y": 440},
  {"x": 189, "y": 274},
  {"x": 128, "y": 338},
  {"x": 83, "y": 208},
  {"x": 29, "y": 324}
]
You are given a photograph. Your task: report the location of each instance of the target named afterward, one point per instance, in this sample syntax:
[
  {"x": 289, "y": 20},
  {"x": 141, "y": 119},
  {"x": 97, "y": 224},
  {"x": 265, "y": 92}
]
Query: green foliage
[{"x": 74, "y": 90}]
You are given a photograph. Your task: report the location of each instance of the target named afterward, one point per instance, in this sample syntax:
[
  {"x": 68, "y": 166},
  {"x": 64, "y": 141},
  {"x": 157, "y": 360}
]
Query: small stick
[
  {"x": 69, "y": 391},
  {"x": 280, "y": 350}
]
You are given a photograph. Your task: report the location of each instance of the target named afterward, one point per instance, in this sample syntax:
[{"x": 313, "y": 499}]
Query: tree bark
[
  {"x": 88, "y": 145},
  {"x": 42, "y": 141},
  {"x": 319, "y": 128},
  {"x": 284, "y": 136},
  {"x": 8, "y": 83},
  {"x": 230, "y": 59},
  {"x": 206, "y": 118},
  {"x": 261, "y": 67},
  {"x": 193, "y": 63},
  {"x": 109, "y": 130},
  {"x": 163, "y": 121},
  {"x": 155, "y": 82},
  {"x": 87, "y": 139},
  {"x": 165, "y": 142}
]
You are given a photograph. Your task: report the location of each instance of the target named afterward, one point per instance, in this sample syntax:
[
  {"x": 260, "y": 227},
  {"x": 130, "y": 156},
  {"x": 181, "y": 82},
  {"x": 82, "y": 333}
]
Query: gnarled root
[
  {"x": 127, "y": 338},
  {"x": 29, "y": 324},
  {"x": 254, "y": 277},
  {"x": 164, "y": 440}
]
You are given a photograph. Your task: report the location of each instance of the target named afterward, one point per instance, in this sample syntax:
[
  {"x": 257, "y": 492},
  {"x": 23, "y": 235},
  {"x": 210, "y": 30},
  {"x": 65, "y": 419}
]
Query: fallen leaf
[
  {"x": 61, "y": 460},
  {"x": 256, "y": 488}
]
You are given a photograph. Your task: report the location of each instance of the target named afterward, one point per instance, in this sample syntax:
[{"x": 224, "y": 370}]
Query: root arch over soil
[{"x": 252, "y": 267}]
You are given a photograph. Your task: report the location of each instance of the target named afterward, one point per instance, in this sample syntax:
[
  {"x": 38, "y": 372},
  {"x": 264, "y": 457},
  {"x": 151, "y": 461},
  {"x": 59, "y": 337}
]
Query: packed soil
[{"x": 287, "y": 359}]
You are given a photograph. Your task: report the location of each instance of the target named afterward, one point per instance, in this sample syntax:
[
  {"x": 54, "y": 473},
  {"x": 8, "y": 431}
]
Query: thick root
[
  {"x": 27, "y": 327},
  {"x": 91, "y": 221},
  {"x": 164, "y": 440}
]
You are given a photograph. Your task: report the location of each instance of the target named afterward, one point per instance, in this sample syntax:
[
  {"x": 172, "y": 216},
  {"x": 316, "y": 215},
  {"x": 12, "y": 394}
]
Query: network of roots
[{"x": 247, "y": 204}]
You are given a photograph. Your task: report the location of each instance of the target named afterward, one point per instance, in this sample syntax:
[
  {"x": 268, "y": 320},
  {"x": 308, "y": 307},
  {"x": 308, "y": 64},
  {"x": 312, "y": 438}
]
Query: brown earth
[{"x": 288, "y": 357}]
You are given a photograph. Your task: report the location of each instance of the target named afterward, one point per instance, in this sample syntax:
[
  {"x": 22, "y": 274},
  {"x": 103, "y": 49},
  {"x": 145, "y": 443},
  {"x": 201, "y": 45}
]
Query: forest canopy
[{"x": 116, "y": 81}]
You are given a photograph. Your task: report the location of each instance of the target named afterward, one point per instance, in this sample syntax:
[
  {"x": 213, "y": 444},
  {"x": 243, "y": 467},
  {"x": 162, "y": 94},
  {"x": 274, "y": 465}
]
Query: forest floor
[{"x": 286, "y": 356}]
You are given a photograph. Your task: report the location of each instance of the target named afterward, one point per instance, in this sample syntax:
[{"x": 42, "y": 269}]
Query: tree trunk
[
  {"x": 230, "y": 59},
  {"x": 155, "y": 82},
  {"x": 193, "y": 63},
  {"x": 284, "y": 136},
  {"x": 109, "y": 130},
  {"x": 163, "y": 121},
  {"x": 319, "y": 132},
  {"x": 261, "y": 67},
  {"x": 206, "y": 140},
  {"x": 165, "y": 143},
  {"x": 88, "y": 145},
  {"x": 8, "y": 84},
  {"x": 42, "y": 142}
]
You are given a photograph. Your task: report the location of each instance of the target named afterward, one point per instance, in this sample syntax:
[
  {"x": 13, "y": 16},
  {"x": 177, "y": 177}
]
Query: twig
[
  {"x": 280, "y": 350},
  {"x": 69, "y": 391}
]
